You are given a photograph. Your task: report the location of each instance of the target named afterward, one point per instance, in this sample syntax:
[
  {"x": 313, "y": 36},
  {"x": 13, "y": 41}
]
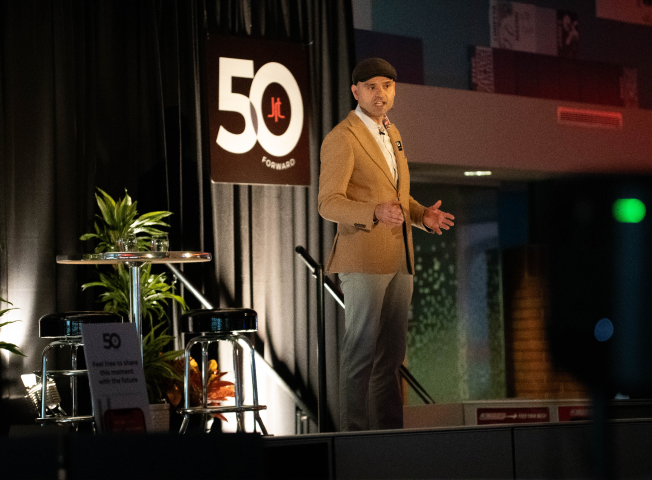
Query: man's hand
[
  {"x": 389, "y": 213},
  {"x": 436, "y": 220}
]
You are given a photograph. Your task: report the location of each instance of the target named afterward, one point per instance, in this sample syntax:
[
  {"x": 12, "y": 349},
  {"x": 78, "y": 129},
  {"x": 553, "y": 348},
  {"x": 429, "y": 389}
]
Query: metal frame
[
  {"x": 205, "y": 340},
  {"x": 134, "y": 261},
  {"x": 317, "y": 271},
  {"x": 74, "y": 343},
  {"x": 304, "y": 413}
]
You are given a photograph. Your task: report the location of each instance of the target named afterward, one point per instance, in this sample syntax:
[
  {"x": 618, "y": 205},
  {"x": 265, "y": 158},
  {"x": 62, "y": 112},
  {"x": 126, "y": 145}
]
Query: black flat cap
[{"x": 370, "y": 68}]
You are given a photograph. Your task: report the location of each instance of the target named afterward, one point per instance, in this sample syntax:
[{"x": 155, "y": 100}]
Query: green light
[{"x": 629, "y": 210}]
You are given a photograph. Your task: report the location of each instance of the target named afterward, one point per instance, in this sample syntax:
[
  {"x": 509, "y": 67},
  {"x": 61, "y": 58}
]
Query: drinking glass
[
  {"x": 128, "y": 243},
  {"x": 160, "y": 243}
]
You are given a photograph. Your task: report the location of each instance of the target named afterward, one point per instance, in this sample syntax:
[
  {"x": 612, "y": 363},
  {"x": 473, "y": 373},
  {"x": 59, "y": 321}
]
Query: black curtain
[{"x": 109, "y": 94}]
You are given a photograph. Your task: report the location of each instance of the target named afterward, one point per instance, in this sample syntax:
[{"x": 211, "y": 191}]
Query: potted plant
[
  {"x": 217, "y": 390},
  {"x": 159, "y": 372},
  {"x": 5, "y": 345},
  {"x": 164, "y": 369},
  {"x": 120, "y": 219}
]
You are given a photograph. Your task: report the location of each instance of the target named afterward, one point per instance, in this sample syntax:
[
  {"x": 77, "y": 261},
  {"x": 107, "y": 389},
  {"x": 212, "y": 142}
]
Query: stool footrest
[
  {"x": 80, "y": 418},
  {"x": 64, "y": 373},
  {"x": 228, "y": 409}
]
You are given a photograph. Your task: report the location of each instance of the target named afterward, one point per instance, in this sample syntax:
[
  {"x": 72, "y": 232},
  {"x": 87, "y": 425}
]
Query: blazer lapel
[
  {"x": 367, "y": 141},
  {"x": 399, "y": 165}
]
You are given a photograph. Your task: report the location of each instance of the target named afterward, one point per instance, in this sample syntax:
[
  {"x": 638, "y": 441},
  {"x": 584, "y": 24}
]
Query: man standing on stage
[{"x": 364, "y": 186}]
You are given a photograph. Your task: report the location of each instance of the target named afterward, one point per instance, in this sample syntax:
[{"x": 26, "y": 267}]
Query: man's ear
[{"x": 354, "y": 90}]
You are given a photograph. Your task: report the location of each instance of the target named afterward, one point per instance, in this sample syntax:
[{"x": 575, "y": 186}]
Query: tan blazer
[{"x": 354, "y": 178}]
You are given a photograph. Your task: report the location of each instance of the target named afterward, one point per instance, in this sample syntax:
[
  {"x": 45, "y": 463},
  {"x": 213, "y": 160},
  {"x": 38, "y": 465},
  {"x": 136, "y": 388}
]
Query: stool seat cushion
[
  {"x": 68, "y": 324},
  {"x": 220, "y": 320}
]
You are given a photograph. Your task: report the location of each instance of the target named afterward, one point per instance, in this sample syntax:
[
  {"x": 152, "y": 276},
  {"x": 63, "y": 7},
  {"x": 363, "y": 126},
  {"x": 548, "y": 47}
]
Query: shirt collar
[{"x": 371, "y": 125}]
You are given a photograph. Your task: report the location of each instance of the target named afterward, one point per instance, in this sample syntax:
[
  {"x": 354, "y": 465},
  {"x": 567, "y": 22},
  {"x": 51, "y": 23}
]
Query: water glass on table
[
  {"x": 160, "y": 243},
  {"x": 128, "y": 243}
]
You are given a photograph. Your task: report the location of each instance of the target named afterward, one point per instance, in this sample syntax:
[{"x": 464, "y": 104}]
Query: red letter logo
[{"x": 276, "y": 110}]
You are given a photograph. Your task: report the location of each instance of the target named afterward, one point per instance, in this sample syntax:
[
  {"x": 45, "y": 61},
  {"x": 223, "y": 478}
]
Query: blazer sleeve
[
  {"x": 416, "y": 215},
  {"x": 337, "y": 164}
]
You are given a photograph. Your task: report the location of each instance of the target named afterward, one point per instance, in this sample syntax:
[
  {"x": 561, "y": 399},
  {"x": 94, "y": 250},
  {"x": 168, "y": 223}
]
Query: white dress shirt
[{"x": 382, "y": 139}]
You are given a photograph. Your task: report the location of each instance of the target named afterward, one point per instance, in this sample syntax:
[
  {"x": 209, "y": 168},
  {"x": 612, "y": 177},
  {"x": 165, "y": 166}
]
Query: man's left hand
[{"x": 436, "y": 220}]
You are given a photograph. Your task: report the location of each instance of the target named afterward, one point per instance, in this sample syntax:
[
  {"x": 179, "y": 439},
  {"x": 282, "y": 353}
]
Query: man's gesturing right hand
[{"x": 389, "y": 213}]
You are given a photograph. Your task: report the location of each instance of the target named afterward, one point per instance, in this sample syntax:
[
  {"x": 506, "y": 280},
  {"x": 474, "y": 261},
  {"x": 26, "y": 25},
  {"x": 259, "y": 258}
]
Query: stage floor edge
[
  {"x": 517, "y": 411},
  {"x": 516, "y": 451}
]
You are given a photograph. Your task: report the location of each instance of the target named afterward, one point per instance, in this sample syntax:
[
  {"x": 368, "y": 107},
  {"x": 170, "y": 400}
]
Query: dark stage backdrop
[{"x": 111, "y": 94}]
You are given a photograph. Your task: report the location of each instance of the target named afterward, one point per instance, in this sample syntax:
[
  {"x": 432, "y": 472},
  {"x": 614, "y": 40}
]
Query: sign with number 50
[
  {"x": 111, "y": 340},
  {"x": 257, "y": 92}
]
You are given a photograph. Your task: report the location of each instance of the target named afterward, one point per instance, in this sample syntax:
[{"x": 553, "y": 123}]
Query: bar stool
[
  {"x": 226, "y": 324},
  {"x": 65, "y": 329}
]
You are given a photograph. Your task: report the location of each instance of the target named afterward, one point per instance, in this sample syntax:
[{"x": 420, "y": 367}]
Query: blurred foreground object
[{"x": 598, "y": 232}]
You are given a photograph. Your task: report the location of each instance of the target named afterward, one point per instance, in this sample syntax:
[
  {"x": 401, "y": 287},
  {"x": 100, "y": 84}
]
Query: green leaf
[
  {"x": 5, "y": 301},
  {"x": 106, "y": 196},
  {"x": 2, "y": 312},
  {"x": 107, "y": 211},
  {"x": 12, "y": 348},
  {"x": 156, "y": 216},
  {"x": 11, "y": 321}
]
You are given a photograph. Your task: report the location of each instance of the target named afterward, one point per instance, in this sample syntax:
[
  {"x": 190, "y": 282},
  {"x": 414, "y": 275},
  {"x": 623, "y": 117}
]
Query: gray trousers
[{"x": 373, "y": 350}]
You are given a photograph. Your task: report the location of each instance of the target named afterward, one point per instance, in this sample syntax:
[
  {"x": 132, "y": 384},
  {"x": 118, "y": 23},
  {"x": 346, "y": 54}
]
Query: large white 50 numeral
[
  {"x": 277, "y": 145},
  {"x": 235, "y": 102}
]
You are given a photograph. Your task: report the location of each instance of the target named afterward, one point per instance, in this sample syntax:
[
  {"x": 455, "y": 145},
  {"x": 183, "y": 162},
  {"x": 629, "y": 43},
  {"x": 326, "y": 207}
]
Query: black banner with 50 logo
[{"x": 258, "y": 111}]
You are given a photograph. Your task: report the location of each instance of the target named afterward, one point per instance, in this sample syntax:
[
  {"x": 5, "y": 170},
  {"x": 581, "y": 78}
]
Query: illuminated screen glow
[{"x": 629, "y": 210}]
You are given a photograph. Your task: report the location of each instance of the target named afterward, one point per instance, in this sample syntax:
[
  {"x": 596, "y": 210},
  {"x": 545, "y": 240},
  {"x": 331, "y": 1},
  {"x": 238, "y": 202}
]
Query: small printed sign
[
  {"x": 116, "y": 377},
  {"x": 499, "y": 415},
  {"x": 574, "y": 413}
]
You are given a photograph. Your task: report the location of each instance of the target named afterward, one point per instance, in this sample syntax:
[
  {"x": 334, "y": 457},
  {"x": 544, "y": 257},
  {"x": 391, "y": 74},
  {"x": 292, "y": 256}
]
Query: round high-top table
[{"x": 133, "y": 261}]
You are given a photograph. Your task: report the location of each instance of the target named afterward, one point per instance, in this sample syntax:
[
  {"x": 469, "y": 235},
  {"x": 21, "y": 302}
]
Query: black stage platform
[
  {"x": 526, "y": 451},
  {"x": 529, "y": 451}
]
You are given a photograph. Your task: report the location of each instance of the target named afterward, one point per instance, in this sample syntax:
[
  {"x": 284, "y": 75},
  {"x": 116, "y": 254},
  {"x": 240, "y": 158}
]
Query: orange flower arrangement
[{"x": 217, "y": 390}]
